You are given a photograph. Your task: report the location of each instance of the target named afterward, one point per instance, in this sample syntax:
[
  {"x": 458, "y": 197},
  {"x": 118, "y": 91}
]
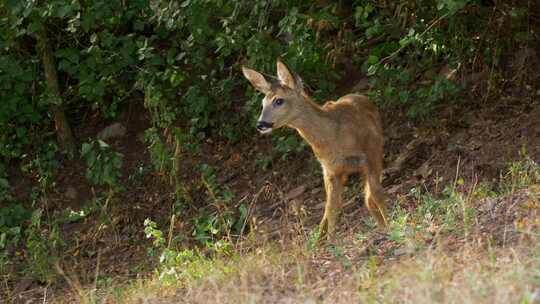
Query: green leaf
[
  {"x": 404, "y": 96},
  {"x": 372, "y": 59},
  {"x": 86, "y": 147},
  {"x": 102, "y": 144}
]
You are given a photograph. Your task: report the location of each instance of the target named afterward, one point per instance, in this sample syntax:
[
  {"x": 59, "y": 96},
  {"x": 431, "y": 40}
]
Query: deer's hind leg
[
  {"x": 374, "y": 196},
  {"x": 334, "y": 188}
]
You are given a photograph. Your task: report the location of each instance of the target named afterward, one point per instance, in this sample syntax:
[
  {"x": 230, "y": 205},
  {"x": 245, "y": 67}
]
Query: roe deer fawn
[{"x": 346, "y": 137}]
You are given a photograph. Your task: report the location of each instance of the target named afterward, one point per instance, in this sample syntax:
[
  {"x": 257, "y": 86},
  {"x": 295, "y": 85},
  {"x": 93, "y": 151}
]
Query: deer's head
[{"x": 283, "y": 101}]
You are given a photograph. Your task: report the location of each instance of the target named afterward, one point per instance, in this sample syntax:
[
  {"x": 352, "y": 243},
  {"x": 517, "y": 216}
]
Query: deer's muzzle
[{"x": 264, "y": 127}]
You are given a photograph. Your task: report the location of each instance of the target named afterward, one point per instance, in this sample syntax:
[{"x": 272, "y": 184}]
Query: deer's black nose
[{"x": 263, "y": 125}]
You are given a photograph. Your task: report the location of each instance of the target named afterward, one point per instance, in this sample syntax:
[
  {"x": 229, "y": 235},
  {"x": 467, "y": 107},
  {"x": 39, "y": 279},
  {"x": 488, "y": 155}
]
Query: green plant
[
  {"x": 166, "y": 155},
  {"x": 288, "y": 144},
  {"x": 12, "y": 220},
  {"x": 337, "y": 252},
  {"x": 175, "y": 266},
  {"x": 43, "y": 247},
  {"x": 224, "y": 220},
  {"x": 399, "y": 228},
  {"x": 103, "y": 164},
  {"x": 151, "y": 231},
  {"x": 521, "y": 173},
  {"x": 43, "y": 165},
  {"x": 218, "y": 194},
  {"x": 213, "y": 229},
  {"x": 264, "y": 162},
  {"x": 184, "y": 61},
  {"x": 160, "y": 155},
  {"x": 4, "y": 185}
]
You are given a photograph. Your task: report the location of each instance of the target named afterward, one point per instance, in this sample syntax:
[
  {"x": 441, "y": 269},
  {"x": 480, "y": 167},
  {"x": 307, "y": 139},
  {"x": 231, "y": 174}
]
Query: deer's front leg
[{"x": 333, "y": 184}]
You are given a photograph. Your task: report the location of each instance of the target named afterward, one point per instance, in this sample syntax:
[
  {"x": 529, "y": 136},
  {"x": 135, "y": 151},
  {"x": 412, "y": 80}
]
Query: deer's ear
[
  {"x": 256, "y": 79},
  {"x": 299, "y": 83},
  {"x": 285, "y": 76}
]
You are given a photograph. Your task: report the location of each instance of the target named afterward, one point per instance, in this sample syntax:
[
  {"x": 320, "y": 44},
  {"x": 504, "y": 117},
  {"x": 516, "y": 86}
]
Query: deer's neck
[{"x": 314, "y": 126}]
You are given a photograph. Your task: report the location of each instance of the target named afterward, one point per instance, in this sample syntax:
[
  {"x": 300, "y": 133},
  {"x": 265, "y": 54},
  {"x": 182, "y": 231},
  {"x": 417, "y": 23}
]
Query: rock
[
  {"x": 71, "y": 193},
  {"x": 316, "y": 190},
  {"x": 115, "y": 130},
  {"x": 362, "y": 85},
  {"x": 294, "y": 193}
]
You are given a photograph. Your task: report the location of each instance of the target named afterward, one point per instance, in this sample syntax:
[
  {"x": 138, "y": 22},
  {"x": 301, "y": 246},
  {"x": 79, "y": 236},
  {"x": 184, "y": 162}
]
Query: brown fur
[{"x": 346, "y": 137}]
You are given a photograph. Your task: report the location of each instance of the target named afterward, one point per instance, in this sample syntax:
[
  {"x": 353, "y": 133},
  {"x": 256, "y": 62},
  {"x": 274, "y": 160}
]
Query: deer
[{"x": 346, "y": 137}]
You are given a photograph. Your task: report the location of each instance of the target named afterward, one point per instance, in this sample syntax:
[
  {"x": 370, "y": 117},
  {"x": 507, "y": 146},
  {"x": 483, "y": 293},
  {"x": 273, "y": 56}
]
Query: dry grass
[{"x": 467, "y": 275}]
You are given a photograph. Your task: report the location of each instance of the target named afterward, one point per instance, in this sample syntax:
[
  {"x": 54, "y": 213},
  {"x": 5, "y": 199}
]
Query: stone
[
  {"x": 296, "y": 192},
  {"x": 116, "y": 130},
  {"x": 361, "y": 85}
]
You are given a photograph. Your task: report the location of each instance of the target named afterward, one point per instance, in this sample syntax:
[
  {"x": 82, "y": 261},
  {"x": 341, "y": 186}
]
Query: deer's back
[
  {"x": 357, "y": 128},
  {"x": 355, "y": 110}
]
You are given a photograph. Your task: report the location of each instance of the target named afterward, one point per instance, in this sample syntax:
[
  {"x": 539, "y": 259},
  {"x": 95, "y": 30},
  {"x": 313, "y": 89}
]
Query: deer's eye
[{"x": 277, "y": 102}]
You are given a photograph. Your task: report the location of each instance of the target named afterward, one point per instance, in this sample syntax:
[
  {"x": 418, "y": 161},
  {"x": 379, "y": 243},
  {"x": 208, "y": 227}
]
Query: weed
[
  {"x": 166, "y": 160},
  {"x": 264, "y": 162},
  {"x": 520, "y": 174},
  {"x": 339, "y": 254},
  {"x": 399, "y": 228},
  {"x": 4, "y": 186},
  {"x": 225, "y": 221},
  {"x": 289, "y": 144},
  {"x": 103, "y": 164},
  {"x": 43, "y": 165},
  {"x": 43, "y": 247},
  {"x": 138, "y": 174},
  {"x": 313, "y": 239},
  {"x": 179, "y": 267},
  {"x": 217, "y": 194}
]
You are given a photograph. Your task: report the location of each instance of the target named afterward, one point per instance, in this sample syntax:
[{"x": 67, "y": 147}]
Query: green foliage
[
  {"x": 420, "y": 48},
  {"x": 216, "y": 193},
  {"x": 4, "y": 185},
  {"x": 399, "y": 229},
  {"x": 160, "y": 154},
  {"x": 18, "y": 110},
  {"x": 103, "y": 164},
  {"x": 224, "y": 221},
  {"x": 43, "y": 244},
  {"x": 43, "y": 165},
  {"x": 264, "y": 162},
  {"x": 175, "y": 266},
  {"x": 444, "y": 209},
  {"x": 289, "y": 144},
  {"x": 12, "y": 219},
  {"x": 183, "y": 59},
  {"x": 151, "y": 231},
  {"x": 520, "y": 174}
]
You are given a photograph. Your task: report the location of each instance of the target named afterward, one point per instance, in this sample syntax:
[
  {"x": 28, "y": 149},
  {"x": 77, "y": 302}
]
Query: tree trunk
[{"x": 63, "y": 130}]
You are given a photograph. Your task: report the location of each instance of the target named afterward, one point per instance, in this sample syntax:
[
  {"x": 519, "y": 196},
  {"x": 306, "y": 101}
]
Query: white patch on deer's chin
[{"x": 266, "y": 131}]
